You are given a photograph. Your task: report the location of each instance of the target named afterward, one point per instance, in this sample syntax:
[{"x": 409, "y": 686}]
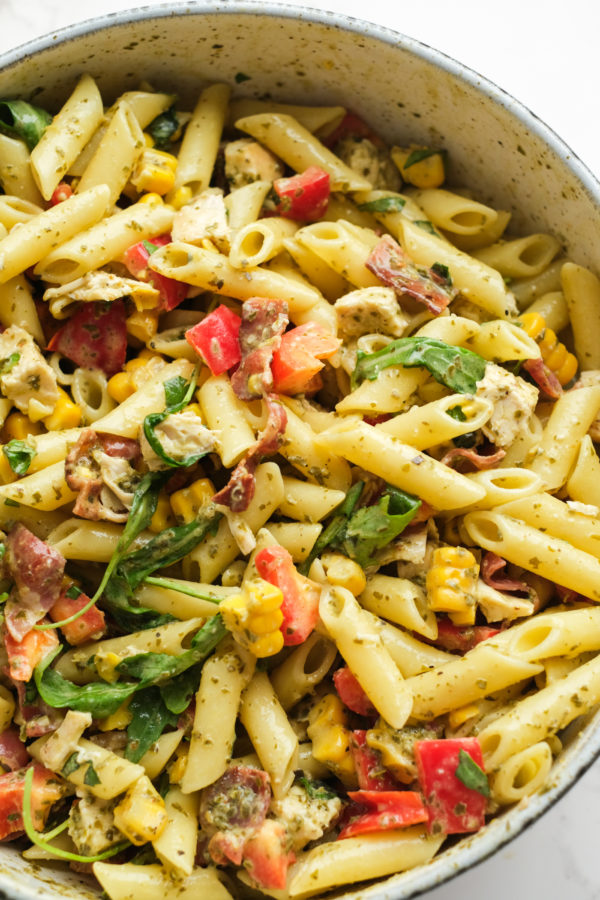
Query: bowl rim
[{"x": 482, "y": 845}]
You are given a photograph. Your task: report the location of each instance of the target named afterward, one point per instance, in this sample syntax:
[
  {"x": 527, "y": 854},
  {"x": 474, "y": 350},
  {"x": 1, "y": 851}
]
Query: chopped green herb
[
  {"x": 23, "y": 120},
  {"x": 71, "y": 765},
  {"x": 151, "y": 248},
  {"x": 164, "y": 128},
  {"x": 426, "y": 225},
  {"x": 19, "y": 455},
  {"x": 91, "y": 776},
  {"x": 457, "y": 413},
  {"x": 315, "y": 789},
  {"x": 418, "y": 155},
  {"x": 383, "y": 205},
  {"x": 472, "y": 775},
  {"x": 10, "y": 502},
  {"x": 73, "y": 592},
  {"x": 442, "y": 272},
  {"x": 9, "y": 362},
  {"x": 241, "y": 76}
]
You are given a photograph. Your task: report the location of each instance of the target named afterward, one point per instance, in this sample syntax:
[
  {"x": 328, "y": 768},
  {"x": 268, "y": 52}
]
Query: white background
[{"x": 546, "y": 55}]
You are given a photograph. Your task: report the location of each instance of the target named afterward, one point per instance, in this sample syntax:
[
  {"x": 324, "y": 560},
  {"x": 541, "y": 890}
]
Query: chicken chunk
[
  {"x": 247, "y": 161},
  {"x": 100, "y": 285},
  {"x": 180, "y": 435},
  {"x": 25, "y": 376},
  {"x": 92, "y": 824},
  {"x": 205, "y": 218},
  {"x": 373, "y": 163},
  {"x": 589, "y": 379},
  {"x": 372, "y": 310},
  {"x": 63, "y": 742},
  {"x": 513, "y": 399},
  {"x": 306, "y": 818}
]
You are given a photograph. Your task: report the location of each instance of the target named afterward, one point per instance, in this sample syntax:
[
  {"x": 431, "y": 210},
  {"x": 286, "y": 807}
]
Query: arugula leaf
[
  {"x": 117, "y": 600},
  {"x": 418, "y": 155},
  {"x": 383, "y": 205},
  {"x": 163, "y": 127},
  {"x": 373, "y": 527},
  {"x": 316, "y": 790},
  {"x": 150, "y": 718},
  {"x": 457, "y": 368},
  {"x": 178, "y": 393},
  {"x": 471, "y": 775},
  {"x": 19, "y": 455},
  {"x": 456, "y": 413},
  {"x": 178, "y": 692},
  {"x": 9, "y": 362},
  {"x": 23, "y": 120},
  {"x": 335, "y": 527}
]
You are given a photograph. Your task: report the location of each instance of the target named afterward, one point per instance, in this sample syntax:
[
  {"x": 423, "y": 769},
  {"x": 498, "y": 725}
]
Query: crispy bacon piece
[
  {"x": 35, "y": 717},
  {"x": 491, "y": 564},
  {"x": 232, "y": 809},
  {"x": 479, "y": 460},
  {"x": 394, "y": 268},
  {"x": 263, "y": 322},
  {"x": 544, "y": 377},
  {"x": 83, "y": 472},
  {"x": 37, "y": 570},
  {"x": 13, "y": 753}
]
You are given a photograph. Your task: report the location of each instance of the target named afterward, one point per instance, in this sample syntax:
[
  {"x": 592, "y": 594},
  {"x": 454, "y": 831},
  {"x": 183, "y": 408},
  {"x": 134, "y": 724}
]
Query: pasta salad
[{"x": 300, "y": 497}]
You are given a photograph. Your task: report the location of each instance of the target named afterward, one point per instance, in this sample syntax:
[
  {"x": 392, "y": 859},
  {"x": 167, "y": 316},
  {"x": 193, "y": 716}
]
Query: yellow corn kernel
[
  {"x": 141, "y": 815},
  {"x": 143, "y": 324},
  {"x": 106, "y": 664},
  {"x": 189, "y": 501},
  {"x": 180, "y": 197},
  {"x": 345, "y": 572},
  {"x": 6, "y": 473},
  {"x": 458, "y": 717},
  {"x": 428, "y": 172},
  {"x": 154, "y": 172},
  {"x": 148, "y": 140},
  {"x": 554, "y": 353},
  {"x": 151, "y": 198},
  {"x": 120, "y": 386},
  {"x": 459, "y": 557},
  {"x": 464, "y": 617},
  {"x": 267, "y": 645},
  {"x": 451, "y": 583},
  {"x": 195, "y": 408},
  {"x": 254, "y": 617},
  {"x": 330, "y": 738},
  {"x": 265, "y": 623},
  {"x": 163, "y": 514},
  {"x": 177, "y": 769},
  {"x": 17, "y": 426},
  {"x": 119, "y": 720},
  {"x": 66, "y": 414},
  {"x": 7, "y": 708}
]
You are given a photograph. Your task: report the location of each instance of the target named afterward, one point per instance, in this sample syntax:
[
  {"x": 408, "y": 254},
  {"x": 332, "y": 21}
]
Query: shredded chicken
[
  {"x": 514, "y": 401},
  {"x": 92, "y": 825},
  {"x": 205, "y": 218},
  {"x": 63, "y": 742},
  {"x": 25, "y": 376},
  {"x": 373, "y": 163},
  {"x": 305, "y": 818},
  {"x": 247, "y": 161},
  {"x": 100, "y": 285},
  {"x": 180, "y": 435},
  {"x": 373, "y": 310}
]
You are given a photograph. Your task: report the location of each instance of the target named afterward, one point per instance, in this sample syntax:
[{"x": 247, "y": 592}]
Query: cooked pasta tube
[
  {"x": 399, "y": 464},
  {"x": 541, "y": 714},
  {"x": 316, "y": 270},
  {"x": 224, "y": 415},
  {"x": 581, "y": 290},
  {"x": 342, "y": 249},
  {"x": 566, "y": 633},
  {"x": 401, "y": 601},
  {"x": 480, "y": 672},
  {"x": 269, "y": 729},
  {"x": 116, "y": 155},
  {"x": 584, "y": 482},
  {"x": 555, "y": 517},
  {"x": 359, "y": 858},
  {"x": 548, "y": 556},
  {"x": 455, "y": 213},
  {"x": 298, "y": 538},
  {"x": 15, "y": 210},
  {"x": 306, "y": 502},
  {"x": 312, "y": 117},
  {"x": 115, "y": 773},
  {"x": 297, "y": 147},
  {"x": 304, "y": 668},
  {"x": 128, "y": 881},
  {"x": 523, "y": 257},
  {"x": 304, "y": 450},
  {"x": 425, "y": 426},
  {"x": 503, "y": 341},
  {"x": 389, "y": 392},
  {"x": 160, "y": 752},
  {"x": 504, "y": 485},
  {"x": 522, "y": 775},
  {"x": 363, "y": 649},
  {"x": 16, "y": 176},
  {"x": 530, "y": 290},
  {"x": 174, "y": 602},
  {"x": 17, "y": 307},
  {"x": 200, "y": 143},
  {"x": 224, "y": 676},
  {"x": 83, "y": 539},
  {"x": 177, "y": 843},
  {"x": 260, "y": 241},
  {"x": 244, "y": 204},
  {"x": 46, "y": 490}
]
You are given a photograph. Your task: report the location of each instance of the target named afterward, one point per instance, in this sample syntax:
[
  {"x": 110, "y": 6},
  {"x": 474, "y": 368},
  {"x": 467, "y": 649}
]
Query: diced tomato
[
  {"x": 47, "y": 789},
  {"x": 298, "y": 358},
  {"x": 24, "y": 655},
  {"x": 300, "y": 605},
  {"x": 265, "y": 857},
  {"x": 88, "y": 627},
  {"x": 376, "y": 420},
  {"x": 13, "y": 753},
  {"x": 61, "y": 192},
  {"x": 453, "y": 807},
  {"x": 351, "y": 693},
  {"x": 386, "y": 810},
  {"x": 95, "y": 337},
  {"x": 370, "y": 772},
  {"x": 303, "y": 197},
  {"x": 353, "y": 126},
  {"x": 216, "y": 339},
  {"x": 456, "y": 638},
  {"x": 172, "y": 292}
]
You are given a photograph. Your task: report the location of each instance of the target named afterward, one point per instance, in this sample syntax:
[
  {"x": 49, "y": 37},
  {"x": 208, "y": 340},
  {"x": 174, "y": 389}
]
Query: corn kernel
[
  {"x": 189, "y": 501},
  {"x": 151, "y": 198},
  {"x": 67, "y": 414},
  {"x": 179, "y": 197},
  {"x": 119, "y": 720},
  {"x": 6, "y": 473},
  {"x": 458, "y": 717},
  {"x": 345, "y": 572},
  {"x": 143, "y": 324},
  {"x": 267, "y": 645},
  {"x": 177, "y": 769},
  {"x": 265, "y": 622},
  {"x": 428, "y": 172},
  {"x": 163, "y": 514},
  {"x": 120, "y": 387},
  {"x": 148, "y": 140},
  {"x": 106, "y": 664},
  {"x": 555, "y": 355},
  {"x": 141, "y": 816},
  {"x": 17, "y": 426},
  {"x": 254, "y": 617},
  {"x": 330, "y": 738},
  {"x": 451, "y": 583},
  {"x": 155, "y": 172},
  {"x": 463, "y": 617}
]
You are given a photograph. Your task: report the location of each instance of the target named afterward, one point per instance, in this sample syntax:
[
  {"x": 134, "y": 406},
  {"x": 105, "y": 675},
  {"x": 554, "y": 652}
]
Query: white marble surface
[{"x": 544, "y": 54}]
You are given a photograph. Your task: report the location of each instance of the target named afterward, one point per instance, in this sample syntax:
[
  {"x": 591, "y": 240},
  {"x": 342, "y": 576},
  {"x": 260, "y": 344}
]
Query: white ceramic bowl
[{"x": 409, "y": 93}]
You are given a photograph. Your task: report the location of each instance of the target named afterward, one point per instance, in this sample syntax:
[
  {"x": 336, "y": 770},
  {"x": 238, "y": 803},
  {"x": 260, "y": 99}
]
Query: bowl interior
[{"x": 408, "y": 93}]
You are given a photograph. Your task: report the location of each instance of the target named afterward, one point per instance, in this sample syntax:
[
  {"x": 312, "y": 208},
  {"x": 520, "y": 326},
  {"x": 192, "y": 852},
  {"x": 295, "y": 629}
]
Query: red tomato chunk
[
  {"x": 300, "y": 605},
  {"x": 453, "y": 807},
  {"x": 385, "y": 810},
  {"x": 304, "y": 197},
  {"x": 216, "y": 339}
]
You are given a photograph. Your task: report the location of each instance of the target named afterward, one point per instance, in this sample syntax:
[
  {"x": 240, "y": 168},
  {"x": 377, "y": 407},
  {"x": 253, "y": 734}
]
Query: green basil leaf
[
  {"x": 10, "y": 502},
  {"x": 316, "y": 790},
  {"x": 150, "y": 718},
  {"x": 373, "y": 527},
  {"x": 151, "y": 248},
  {"x": 177, "y": 693},
  {"x": 426, "y": 225},
  {"x": 23, "y": 120},
  {"x": 443, "y": 272},
  {"x": 19, "y": 455},
  {"x": 178, "y": 393},
  {"x": 71, "y": 765},
  {"x": 455, "y": 367},
  {"x": 457, "y": 413},
  {"x": 73, "y": 592},
  {"x": 91, "y": 776},
  {"x": 424, "y": 153},
  {"x": 9, "y": 362},
  {"x": 383, "y": 205},
  {"x": 335, "y": 526},
  {"x": 163, "y": 128},
  {"x": 472, "y": 775}
]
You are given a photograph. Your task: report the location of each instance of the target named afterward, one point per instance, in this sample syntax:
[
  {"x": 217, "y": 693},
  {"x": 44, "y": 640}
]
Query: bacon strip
[
  {"x": 394, "y": 268},
  {"x": 35, "y": 717},
  {"x": 82, "y": 472},
  {"x": 37, "y": 570},
  {"x": 479, "y": 460},
  {"x": 232, "y": 809},
  {"x": 543, "y": 377},
  {"x": 492, "y": 564},
  {"x": 263, "y": 322},
  {"x": 13, "y": 753}
]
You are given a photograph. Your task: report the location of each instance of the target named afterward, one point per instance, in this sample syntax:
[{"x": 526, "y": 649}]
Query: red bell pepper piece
[
  {"x": 88, "y": 627},
  {"x": 61, "y": 192},
  {"x": 351, "y": 693},
  {"x": 95, "y": 337},
  {"x": 24, "y": 655},
  {"x": 47, "y": 789},
  {"x": 371, "y": 774},
  {"x": 216, "y": 339},
  {"x": 385, "y": 810},
  {"x": 453, "y": 807},
  {"x": 265, "y": 856},
  {"x": 298, "y": 358},
  {"x": 172, "y": 292},
  {"x": 456, "y": 638},
  {"x": 303, "y": 197},
  {"x": 300, "y": 605}
]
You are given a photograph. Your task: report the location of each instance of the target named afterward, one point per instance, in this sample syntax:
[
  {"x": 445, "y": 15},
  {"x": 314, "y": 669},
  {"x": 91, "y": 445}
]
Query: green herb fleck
[{"x": 471, "y": 775}]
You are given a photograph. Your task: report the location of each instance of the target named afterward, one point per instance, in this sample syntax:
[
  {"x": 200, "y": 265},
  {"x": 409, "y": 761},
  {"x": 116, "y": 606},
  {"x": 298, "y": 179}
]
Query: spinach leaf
[
  {"x": 150, "y": 718},
  {"x": 373, "y": 527},
  {"x": 117, "y": 600},
  {"x": 178, "y": 393},
  {"x": 23, "y": 120},
  {"x": 71, "y": 765},
  {"x": 335, "y": 526},
  {"x": 472, "y": 775},
  {"x": 457, "y": 368},
  {"x": 383, "y": 205},
  {"x": 418, "y": 155},
  {"x": 19, "y": 455},
  {"x": 163, "y": 127},
  {"x": 178, "y": 692}
]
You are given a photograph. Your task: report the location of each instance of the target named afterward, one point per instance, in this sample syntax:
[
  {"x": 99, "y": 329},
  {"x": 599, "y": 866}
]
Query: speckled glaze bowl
[{"x": 408, "y": 92}]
